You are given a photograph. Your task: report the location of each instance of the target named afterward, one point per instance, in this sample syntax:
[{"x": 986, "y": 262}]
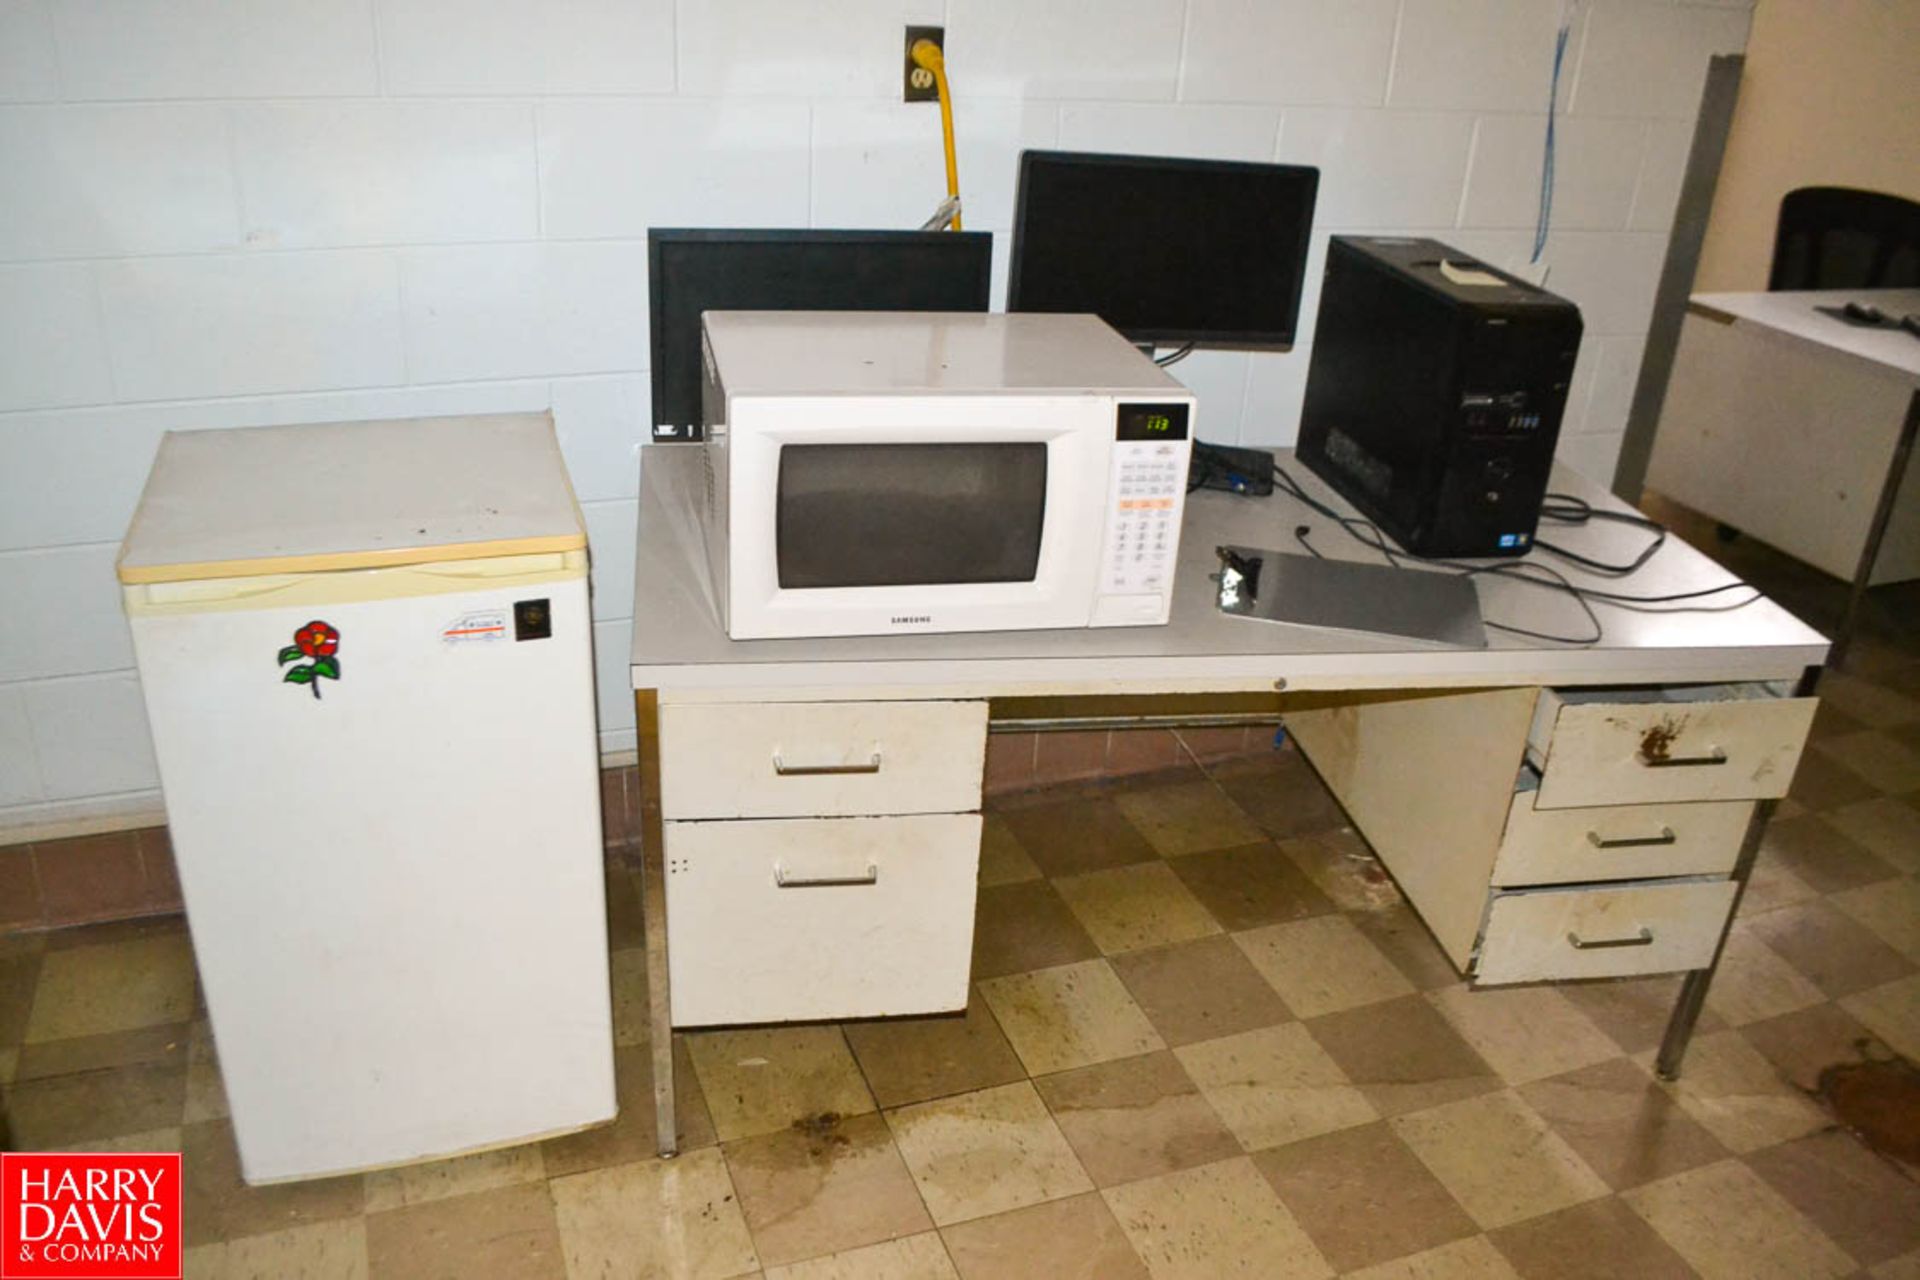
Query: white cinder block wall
[{"x": 234, "y": 212}]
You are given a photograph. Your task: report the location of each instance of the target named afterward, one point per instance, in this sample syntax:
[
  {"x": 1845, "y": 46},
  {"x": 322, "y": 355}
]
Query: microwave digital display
[
  {"x": 1151, "y": 422},
  {"x": 890, "y": 515}
]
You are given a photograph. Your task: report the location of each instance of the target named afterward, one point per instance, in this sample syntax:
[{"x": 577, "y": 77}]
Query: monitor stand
[{"x": 1178, "y": 354}]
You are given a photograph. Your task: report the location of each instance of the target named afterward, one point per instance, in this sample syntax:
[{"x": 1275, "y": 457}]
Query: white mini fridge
[{"x": 366, "y": 655}]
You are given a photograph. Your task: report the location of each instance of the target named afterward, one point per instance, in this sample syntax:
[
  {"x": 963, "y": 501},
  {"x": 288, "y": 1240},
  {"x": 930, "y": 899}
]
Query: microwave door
[
  {"x": 950, "y": 515},
  {"x": 909, "y": 515}
]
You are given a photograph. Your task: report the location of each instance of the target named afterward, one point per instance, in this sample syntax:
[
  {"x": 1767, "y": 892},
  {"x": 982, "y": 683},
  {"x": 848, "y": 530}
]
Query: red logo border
[{"x": 180, "y": 1211}]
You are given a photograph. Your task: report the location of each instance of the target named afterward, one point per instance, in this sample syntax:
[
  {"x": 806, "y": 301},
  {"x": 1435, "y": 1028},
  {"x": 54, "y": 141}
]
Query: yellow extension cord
[{"x": 927, "y": 55}]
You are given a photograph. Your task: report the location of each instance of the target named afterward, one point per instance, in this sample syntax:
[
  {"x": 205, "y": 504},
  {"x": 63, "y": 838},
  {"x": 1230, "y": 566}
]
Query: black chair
[{"x": 1840, "y": 238}]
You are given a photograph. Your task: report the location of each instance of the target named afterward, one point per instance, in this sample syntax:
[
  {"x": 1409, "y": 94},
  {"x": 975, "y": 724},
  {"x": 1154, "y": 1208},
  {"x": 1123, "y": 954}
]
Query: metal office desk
[
  {"x": 1795, "y": 426},
  {"x": 1421, "y": 744}
]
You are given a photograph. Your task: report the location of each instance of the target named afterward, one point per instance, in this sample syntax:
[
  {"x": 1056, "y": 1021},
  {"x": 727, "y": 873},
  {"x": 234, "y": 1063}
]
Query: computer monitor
[
  {"x": 1209, "y": 252},
  {"x": 690, "y": 271}
]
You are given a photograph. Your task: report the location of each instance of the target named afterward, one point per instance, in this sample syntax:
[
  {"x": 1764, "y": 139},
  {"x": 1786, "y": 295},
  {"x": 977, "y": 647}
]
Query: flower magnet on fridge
[{"x": 320, "y": 642}]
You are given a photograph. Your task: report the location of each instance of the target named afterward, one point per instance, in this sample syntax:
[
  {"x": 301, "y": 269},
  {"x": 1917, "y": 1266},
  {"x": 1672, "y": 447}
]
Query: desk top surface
[
  {"x": 679, "y": 648},
  {"x": 1795, "y": 314}
]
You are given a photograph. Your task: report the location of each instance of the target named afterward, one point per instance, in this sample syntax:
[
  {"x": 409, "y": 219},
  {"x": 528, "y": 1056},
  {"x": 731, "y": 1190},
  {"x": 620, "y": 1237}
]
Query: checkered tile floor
[{"x": 1207, "y": 1038}]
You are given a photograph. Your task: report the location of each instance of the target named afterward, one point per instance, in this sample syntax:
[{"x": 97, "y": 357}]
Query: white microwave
[{"x": 877, "y": 473}]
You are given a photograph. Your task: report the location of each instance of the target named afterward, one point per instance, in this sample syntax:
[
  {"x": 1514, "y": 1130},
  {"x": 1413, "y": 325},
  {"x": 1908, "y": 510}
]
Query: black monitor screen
[
  {"x": 692, "y": 271},
  {"x": 1166, "y": 251}
]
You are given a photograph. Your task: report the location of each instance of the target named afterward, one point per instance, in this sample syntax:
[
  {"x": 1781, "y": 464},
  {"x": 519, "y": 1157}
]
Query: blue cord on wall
[{"x": 1545, "y": 219}]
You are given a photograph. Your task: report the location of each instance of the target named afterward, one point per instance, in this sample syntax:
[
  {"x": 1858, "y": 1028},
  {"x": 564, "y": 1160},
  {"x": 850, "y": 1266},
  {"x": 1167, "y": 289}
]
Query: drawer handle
[
  {"x": 1640, "y": 939},
  {"x": 1599, "y": 841},
  {"x": 1713, "y": 755},
  {"x": 785, "y": 881},
  {"x": 786, "y": 770}
]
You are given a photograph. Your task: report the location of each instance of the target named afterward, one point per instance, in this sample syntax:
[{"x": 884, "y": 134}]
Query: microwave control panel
[{"x": 1147, "y": 493}]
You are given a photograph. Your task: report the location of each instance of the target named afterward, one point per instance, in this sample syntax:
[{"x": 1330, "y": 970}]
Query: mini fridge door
[{"x": 383, "y": 791}]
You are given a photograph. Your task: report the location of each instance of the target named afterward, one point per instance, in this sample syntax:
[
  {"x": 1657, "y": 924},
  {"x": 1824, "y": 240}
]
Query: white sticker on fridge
[{"x": 478, "y": 627}]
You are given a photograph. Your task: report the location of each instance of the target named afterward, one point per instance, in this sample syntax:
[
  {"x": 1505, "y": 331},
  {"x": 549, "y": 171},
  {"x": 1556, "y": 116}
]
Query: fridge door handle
[
  {"x": 487, "y": 570},
  {"x": 217, "y": 590}
]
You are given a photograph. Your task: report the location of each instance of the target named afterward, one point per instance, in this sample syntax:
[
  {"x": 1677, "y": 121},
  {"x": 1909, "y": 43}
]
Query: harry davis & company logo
[{"x": 84, "y": 1216}]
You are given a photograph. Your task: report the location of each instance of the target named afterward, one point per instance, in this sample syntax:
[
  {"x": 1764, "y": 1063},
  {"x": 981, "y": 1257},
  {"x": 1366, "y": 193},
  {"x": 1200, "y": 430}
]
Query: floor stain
[
  {"x": 822, "y": 1131},
  {"x": 1879, "y": 1101},
  {"x": 1374, "y": 889}
]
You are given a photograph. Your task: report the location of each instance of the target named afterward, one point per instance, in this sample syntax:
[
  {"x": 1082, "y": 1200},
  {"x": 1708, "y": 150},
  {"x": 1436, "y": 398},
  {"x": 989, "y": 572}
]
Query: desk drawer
[
  {"x": 1603, "y": 933},
  {"x": 1601, "y": 752},
  {"x": 1618, "y": 842},
  {"x": 795, "y": 920},
  {"x": 821, "y": 759}
]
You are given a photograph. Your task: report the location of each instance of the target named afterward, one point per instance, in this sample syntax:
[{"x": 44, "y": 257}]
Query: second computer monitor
[
  {"x": 690, "y": 271},
  {"x": 1167, "y": 251}
]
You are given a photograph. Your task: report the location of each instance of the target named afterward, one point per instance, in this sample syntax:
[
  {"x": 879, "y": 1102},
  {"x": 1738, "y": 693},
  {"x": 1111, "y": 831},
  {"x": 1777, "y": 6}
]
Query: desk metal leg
[
  {"x": 653, "y": 902},
  {"x": 1693, "y": 989},
  {"x": 1882, "y": 515}
]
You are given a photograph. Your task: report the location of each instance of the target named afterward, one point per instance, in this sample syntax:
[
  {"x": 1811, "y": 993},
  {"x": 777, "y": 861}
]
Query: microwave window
[{"x": 892, "y": 515}]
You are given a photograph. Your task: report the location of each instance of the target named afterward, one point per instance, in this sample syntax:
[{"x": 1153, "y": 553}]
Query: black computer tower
[{"x": 1435, "y": 394}]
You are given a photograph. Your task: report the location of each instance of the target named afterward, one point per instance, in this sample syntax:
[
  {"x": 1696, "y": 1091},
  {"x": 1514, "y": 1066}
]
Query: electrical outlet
[{"x": 918, "y": 85}]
